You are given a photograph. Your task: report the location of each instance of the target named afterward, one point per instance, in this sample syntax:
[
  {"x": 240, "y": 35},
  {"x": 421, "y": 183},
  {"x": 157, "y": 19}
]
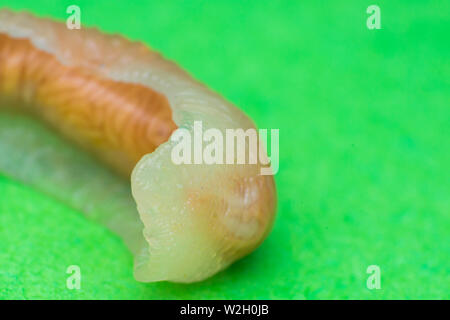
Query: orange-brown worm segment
[
  {"x": 120, "y": 122},
  {"x": 122, "y": 102}
]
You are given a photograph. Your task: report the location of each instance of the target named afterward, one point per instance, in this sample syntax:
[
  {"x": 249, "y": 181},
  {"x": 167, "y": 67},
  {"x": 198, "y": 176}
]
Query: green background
[{"x": 364, "y": 151}]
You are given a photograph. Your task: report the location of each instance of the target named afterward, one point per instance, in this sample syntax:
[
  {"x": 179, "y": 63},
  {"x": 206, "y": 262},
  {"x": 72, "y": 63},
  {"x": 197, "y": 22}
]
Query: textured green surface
[{"x": 364, "y": 161}]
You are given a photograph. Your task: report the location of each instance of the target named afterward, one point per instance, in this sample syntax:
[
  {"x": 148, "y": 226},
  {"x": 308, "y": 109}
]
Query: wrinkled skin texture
[{"x": 121, "y": 102}]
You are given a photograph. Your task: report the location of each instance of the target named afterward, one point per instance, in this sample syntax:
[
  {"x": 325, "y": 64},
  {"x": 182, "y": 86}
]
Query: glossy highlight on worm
[{"x": 121, "y": 101}]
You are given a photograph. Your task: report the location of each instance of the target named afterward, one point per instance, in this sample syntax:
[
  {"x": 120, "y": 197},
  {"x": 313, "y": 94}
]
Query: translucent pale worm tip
[{"x": 121, "y": 101}]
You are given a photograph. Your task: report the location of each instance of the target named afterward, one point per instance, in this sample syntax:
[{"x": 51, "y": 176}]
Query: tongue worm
[{"x": 121, "y": 102}]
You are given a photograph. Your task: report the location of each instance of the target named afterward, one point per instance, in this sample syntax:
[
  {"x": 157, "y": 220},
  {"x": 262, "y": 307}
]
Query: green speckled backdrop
[{"x": 364, "y": 151}]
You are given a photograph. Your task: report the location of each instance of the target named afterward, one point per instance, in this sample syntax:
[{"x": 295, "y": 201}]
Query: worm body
[{"x": 121, "y": 102}]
